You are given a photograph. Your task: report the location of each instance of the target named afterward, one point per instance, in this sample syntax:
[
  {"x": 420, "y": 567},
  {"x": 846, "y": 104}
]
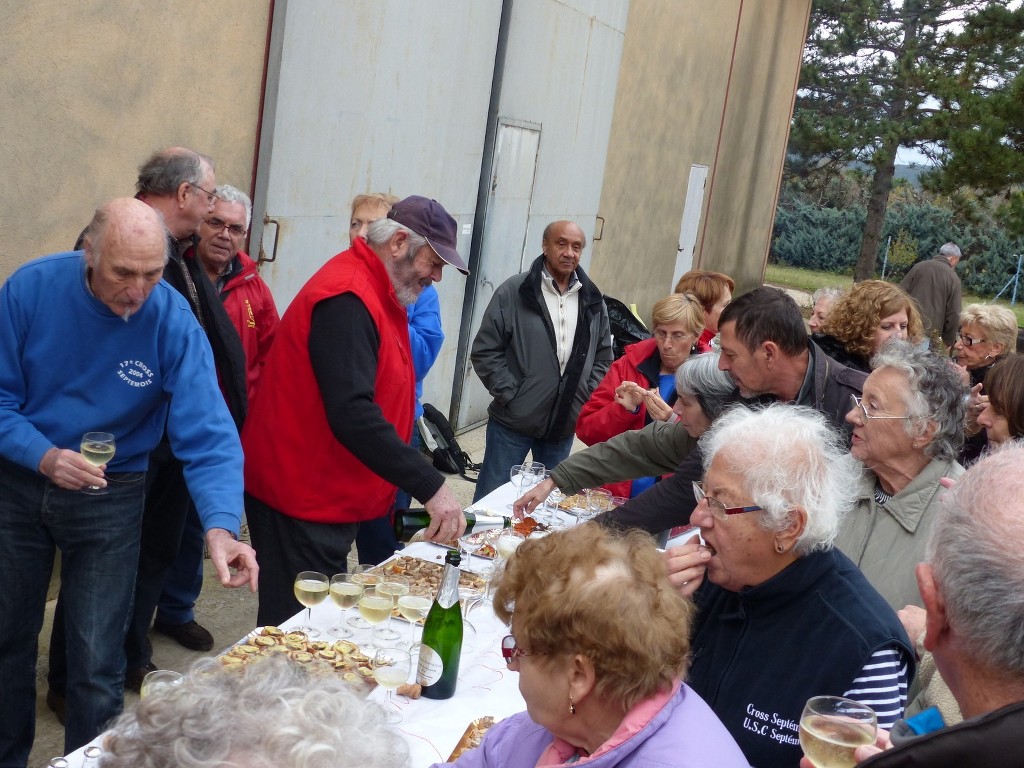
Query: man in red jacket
[
  {"x": 327, "y": 439},
  {"x": 246, "y": 297}
]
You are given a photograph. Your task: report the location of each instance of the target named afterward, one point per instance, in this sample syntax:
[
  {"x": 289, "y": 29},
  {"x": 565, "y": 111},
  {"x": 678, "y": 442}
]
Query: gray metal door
[{"x": 504, "y": 249}]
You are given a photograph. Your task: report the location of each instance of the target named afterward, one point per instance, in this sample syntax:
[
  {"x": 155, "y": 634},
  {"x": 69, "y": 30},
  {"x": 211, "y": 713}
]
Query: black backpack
[{"x": 437, "y": 439}]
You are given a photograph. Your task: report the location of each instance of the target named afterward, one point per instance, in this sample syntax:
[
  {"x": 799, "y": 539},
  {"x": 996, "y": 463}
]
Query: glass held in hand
[
  {"x": 394, "y": 587},
  {"x": 311, "y": 588},
  {"x": 345, "y": 592},
  {"x": 391, "y": 668},
  {"x": 832, "y": 727},
  {"x": 361, "y": 575},
  {"x": 97, "y": 448}
]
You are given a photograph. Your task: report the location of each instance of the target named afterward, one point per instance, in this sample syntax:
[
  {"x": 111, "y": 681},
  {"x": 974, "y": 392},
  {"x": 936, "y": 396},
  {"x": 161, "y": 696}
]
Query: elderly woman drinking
[
  {"x": 907, "y": 430},
  {"x": 781, "y": 614},
  {"x": 600, "y": 641}
]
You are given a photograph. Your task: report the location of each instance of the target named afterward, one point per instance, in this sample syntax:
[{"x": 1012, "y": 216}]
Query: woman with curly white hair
[
  {"x": 781, "y": 614},
  {"x": 270, "y": 714}
]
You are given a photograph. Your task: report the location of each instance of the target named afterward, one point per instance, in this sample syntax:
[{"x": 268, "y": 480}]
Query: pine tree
[{"x": 881, "y": 74}]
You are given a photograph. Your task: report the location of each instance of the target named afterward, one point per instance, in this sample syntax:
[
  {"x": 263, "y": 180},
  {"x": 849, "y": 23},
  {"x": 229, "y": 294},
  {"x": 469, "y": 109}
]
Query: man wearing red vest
[{"x": 326, "y": 442}]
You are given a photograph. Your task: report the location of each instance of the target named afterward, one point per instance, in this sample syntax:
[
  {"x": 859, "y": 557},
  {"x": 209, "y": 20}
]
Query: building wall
[
  {"x": 697, "y": 86},
  {"x": 90, "y": 88}
]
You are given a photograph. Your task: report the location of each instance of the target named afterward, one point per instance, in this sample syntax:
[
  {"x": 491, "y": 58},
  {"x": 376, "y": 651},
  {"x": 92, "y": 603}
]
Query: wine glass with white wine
[
  {"x": 363, "y": 575},
  {"x": 391, "y": 667},
  {"x": 832, "y": 727},
  {"x": 311, "y": 588},
  {"x": 345, "y": 592},
  {"x": 414, "y": 608},
  {"x": 396, "y": 587},
  {"x": 98, "y": 449},
  {"x": 375, "y": 609}
]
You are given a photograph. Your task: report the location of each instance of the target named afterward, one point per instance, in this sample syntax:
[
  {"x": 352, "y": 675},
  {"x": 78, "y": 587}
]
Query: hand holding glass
[
  {"x": 832, "y": 727},
  {"x": 98, "y": 449}
]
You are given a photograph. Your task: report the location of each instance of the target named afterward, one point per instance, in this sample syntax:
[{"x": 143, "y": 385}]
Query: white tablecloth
[{"x": 486, "y": 687}]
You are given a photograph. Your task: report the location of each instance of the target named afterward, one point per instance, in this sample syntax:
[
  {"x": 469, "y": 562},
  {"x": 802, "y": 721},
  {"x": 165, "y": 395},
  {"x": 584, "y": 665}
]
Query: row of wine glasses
[{"x": 374, "y": 594}]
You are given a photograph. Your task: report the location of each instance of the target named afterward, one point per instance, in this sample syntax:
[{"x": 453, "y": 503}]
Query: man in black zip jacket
[
  {"x": 543, "y": 346},
  {"x": 179, "y": 183}
]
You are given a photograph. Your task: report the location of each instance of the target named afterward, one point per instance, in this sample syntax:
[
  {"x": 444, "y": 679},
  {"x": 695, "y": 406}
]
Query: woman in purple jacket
[{"x": 600, "y": 640}]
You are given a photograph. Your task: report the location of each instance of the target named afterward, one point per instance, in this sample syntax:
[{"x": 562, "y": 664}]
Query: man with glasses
[
  {"x": 180, "y": 185},
  {"x": 935, "y": 286},
  {"x": 249, "y": 304}
]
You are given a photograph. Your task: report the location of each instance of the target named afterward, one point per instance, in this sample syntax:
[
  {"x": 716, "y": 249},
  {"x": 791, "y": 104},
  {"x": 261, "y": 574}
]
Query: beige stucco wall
[
  {"x": 90, "y": 88},
  {"x": 702, "y": 81}
]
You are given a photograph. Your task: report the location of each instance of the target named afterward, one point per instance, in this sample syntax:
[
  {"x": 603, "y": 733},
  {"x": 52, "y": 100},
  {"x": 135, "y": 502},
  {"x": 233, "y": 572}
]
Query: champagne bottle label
[{"x": 430, "y": 667}]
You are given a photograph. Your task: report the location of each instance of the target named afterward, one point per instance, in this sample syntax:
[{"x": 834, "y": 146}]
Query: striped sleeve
[{"x": 882, "y": 685}]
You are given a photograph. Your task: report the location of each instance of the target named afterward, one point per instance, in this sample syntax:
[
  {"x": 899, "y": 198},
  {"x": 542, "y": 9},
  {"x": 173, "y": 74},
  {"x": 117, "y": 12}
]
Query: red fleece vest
[{"x": 293, "y": 462}]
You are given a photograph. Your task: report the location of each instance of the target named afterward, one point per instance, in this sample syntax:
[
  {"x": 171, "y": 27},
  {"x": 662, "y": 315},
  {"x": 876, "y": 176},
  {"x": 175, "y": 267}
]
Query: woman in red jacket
[{"x": 640, "y": 386}]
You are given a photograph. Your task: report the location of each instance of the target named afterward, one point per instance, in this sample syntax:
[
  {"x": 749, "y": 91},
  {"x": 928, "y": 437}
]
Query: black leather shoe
[
  {"x": 190, "y": 634},
  {"x": 55, "y": 701},
  {"x": 133, "y": 677}
]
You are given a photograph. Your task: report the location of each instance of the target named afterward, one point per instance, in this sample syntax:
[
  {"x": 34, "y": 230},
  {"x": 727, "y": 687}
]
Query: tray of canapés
[
  {"x": 472, "y": 737},
  {"x": 423, "y": 576},
  {"x": 486, "y": 542}
]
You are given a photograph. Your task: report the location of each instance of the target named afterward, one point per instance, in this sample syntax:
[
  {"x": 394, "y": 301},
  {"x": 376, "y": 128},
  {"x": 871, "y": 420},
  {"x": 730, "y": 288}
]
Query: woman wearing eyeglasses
[
  {"x": 600, "y": 641},
  {"x": 781, "y": 615},
  {"x": 640, "y": 386},
  {"x": 987, "y": 334},
  {"x": 907, "y": 432},
  {"x": 860, "y": 322}
]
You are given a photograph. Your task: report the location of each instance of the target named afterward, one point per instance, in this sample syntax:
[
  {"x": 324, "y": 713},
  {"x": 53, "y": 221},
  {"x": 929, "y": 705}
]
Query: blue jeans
[
  {"x": 185, "y": 579},
  {"x": 98, "y": 537},
  {"x": 504, "y": 448}
]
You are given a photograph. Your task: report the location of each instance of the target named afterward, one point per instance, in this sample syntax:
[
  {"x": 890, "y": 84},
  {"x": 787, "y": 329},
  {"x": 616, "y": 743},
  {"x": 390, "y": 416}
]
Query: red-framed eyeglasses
[{"x": 510, "y": 651}]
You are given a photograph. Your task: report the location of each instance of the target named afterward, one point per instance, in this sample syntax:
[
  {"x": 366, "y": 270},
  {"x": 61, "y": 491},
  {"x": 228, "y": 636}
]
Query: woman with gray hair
[
  {"x": 702, "y": 391},
  {"x": 270, "y": 713},
  {"x": 907, "y": 431},
  {"x": 781, "y": 614}
]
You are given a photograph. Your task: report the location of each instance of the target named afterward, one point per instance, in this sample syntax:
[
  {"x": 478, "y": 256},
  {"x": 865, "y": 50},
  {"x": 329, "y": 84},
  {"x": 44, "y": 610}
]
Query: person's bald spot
[
  {"x": 126, "y": 250},
  {"x": 135, "y": 226}
]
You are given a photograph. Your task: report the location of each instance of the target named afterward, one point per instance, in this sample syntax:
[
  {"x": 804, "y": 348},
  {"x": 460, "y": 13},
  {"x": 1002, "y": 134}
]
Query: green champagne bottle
[
  {"x": 408, "y": 521},
  {"x": 441, "y": 646}
]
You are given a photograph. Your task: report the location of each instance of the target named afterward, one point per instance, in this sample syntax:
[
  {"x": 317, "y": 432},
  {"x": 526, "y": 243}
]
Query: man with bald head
[
  {"x": 95, "y": 341},
  {"x": 543, "y": 346}
]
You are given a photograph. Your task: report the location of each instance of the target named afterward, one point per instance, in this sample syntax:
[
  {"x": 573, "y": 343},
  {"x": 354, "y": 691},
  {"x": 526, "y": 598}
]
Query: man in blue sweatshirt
[{"x": 94, "y": 341}]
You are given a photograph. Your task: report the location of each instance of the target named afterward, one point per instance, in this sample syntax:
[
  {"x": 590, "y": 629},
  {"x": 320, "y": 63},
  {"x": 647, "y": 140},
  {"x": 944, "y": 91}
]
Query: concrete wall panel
[
  {"x": 90, "y": 88},
  {"x": 700, "y": 82}
]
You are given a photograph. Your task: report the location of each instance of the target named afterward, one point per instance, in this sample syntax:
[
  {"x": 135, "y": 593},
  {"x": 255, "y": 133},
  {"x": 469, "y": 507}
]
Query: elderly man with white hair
[
  {"x": 972, "y": 584},
  {"x": 935, "y": 286},
  {"x": 781, "y": 614}
]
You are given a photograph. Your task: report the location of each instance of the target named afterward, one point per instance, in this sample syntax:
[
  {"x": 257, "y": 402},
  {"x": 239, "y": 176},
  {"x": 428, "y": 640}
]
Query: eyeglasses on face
[
  {"x": 210, "y": 196},
  {"x": 677, "y": 336},
  {"x": 510, "y": 651},
  {"x": 969, "y": 341},
  {"x": 218, "y": 225},
  {"x": 718, "y": 509},
  {"x": 858, "y": 403}
]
